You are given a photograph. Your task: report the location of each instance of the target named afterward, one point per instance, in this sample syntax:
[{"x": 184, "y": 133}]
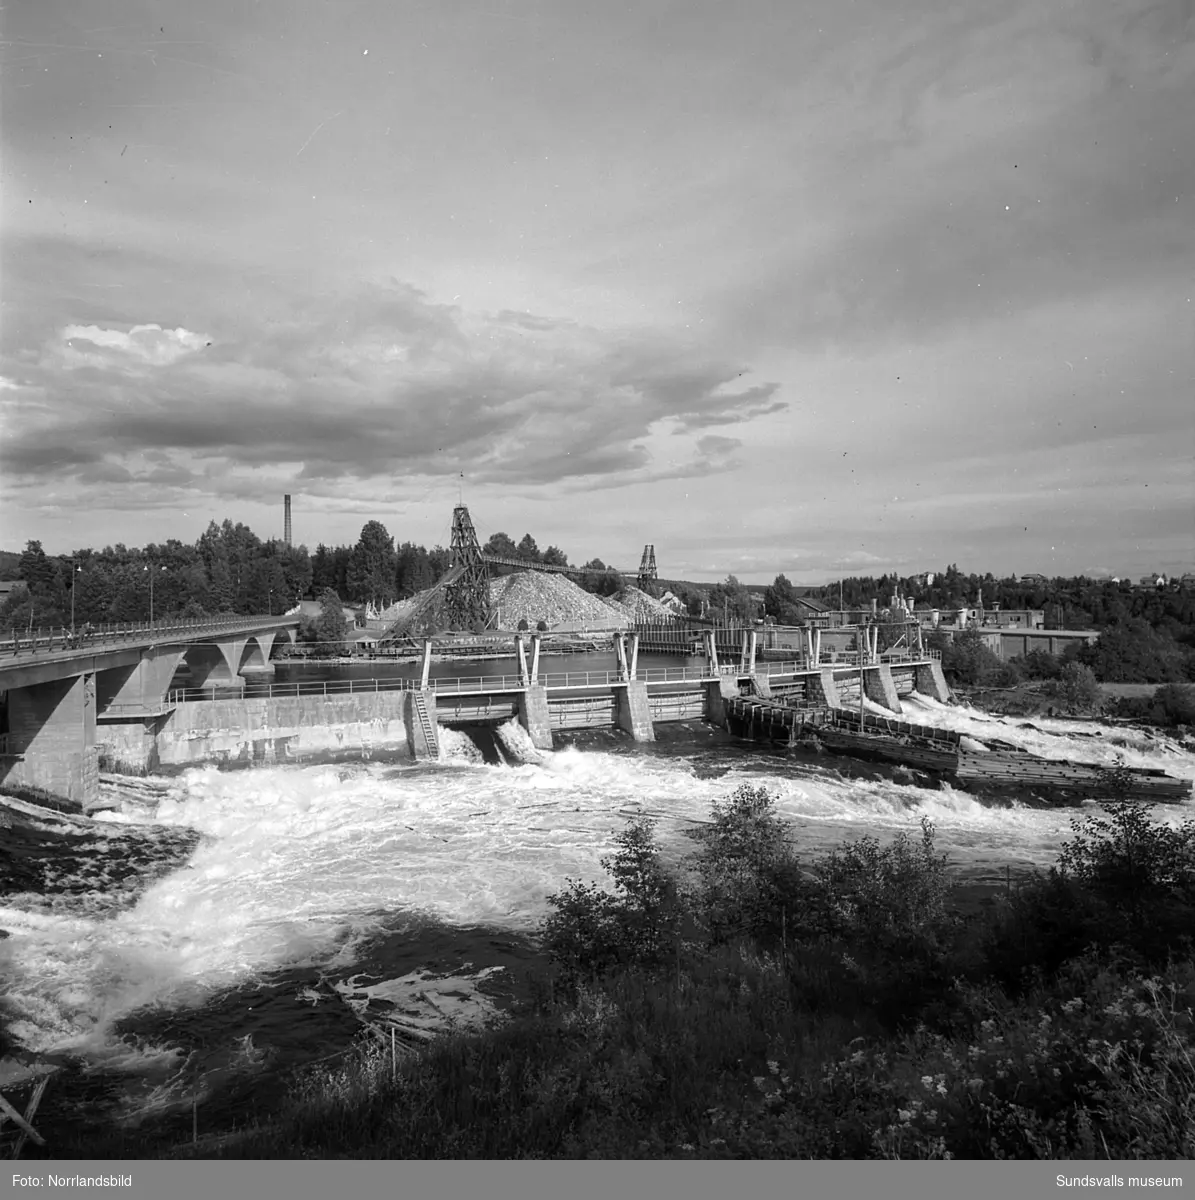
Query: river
[{"x": 217, "y": 928}]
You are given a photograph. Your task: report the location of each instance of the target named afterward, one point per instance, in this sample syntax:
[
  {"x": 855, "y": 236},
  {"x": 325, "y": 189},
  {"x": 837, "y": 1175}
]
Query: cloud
[
  {"x": 713, "y": 445},
  {"x": 347, "y": 390},
  {"x": 1023, "y": 156},
  {"x": 148, "y": 344}
]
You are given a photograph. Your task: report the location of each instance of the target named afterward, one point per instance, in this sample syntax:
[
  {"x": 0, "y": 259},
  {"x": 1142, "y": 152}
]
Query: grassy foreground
[{"x": 754, "y": 1005}]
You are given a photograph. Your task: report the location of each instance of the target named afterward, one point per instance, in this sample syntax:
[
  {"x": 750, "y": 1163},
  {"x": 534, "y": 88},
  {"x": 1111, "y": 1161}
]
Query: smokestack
[{"x": 286, "y": 519}]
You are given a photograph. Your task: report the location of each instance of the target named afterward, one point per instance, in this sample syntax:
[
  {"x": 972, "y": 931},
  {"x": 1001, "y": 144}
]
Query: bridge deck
[{"x": 65, "y": 646}]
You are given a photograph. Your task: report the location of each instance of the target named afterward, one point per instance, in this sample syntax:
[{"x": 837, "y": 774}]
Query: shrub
[
  {"x": 523, "y": 627},
  {"x": 748, "y": 880},
  {"x": 1040, "y": 664},
  {"x": 1175, "y": 704},
  {"x": 542, "y": 626},
  {"x": 1077, "y": 688},
  {"x": 892, "y": 897},
  {"x": 591, "y": 930},
  {"x": 1130, "y": 863},
  {"x": 1035, "y": 929},
  {"x": 1006, "y": 675},
  {"x": 967, "y": 658}
]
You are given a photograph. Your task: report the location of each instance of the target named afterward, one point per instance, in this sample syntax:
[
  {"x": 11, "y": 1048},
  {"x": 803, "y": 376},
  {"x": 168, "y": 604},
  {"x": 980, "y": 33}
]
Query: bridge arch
[{"x": 222, "y": 661}]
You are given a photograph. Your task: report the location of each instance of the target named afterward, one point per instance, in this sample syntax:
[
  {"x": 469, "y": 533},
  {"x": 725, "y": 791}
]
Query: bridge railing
[{"x": 87, "y": 637}]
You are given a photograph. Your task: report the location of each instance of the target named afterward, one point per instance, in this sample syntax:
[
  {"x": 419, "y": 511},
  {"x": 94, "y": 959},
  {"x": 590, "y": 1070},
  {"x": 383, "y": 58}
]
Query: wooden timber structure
[
  {"x": 984, "y": 766},
  {"x": 16, "y": 1127}
]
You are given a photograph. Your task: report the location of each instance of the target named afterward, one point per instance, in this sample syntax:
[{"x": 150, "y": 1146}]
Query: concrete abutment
[
  {"x": 535, "y": 717},
  {"x": 632, "y": 712},
  {"x": 880, "y": 687},
  {"x": 929, "y": 680},
  {"x": 52, "y": 737}
]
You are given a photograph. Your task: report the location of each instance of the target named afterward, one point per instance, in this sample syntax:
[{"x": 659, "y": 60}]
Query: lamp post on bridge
[
  {"x": 152, "y": 569},
  {"x": 75, "y": 569}
]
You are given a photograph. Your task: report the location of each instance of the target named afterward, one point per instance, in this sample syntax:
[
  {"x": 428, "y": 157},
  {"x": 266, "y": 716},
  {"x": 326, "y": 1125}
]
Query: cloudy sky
[{"x": 774, "y": 285}]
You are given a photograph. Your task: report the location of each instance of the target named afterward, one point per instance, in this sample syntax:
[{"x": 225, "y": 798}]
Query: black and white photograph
[{"x": 597, "y": 582}]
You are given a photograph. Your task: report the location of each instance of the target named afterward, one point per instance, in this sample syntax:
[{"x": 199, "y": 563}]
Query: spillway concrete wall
[{"x": 278, "y": 729}]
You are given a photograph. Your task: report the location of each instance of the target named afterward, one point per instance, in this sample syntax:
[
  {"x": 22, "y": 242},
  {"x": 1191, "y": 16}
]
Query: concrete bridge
[{"x": 58, "y": 689}]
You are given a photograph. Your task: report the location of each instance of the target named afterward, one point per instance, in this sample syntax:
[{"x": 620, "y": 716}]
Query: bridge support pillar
[
  {"x": 632, "y": 712},
  {"x": 142, "y": 687},
  {"x": 215, "y": 664},
  {"x": 535, "y": 717},
  {"x": 536, "y": 641},
  {"x": 929, "y": 681},
  {"x": 52, "y": 727},
  {"x": 521, "y": 654},
  {"x": 259, "y": 664},
  {"x": 878, "y": 685},
  {"x": 822, "y": 691}
]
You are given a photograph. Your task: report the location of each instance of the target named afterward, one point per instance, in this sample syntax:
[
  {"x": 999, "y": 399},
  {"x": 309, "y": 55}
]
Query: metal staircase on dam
[{"x": 426, "y": 725}]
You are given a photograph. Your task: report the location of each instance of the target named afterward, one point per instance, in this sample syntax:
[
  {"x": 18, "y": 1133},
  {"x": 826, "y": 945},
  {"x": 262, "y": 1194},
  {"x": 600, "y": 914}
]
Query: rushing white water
[
  {"x": 1054, "y": 737},
  {"x": 301, "y": 866}
]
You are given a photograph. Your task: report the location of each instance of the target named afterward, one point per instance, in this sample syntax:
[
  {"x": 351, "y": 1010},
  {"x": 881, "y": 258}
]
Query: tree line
[{"x": 229, "y": 569}]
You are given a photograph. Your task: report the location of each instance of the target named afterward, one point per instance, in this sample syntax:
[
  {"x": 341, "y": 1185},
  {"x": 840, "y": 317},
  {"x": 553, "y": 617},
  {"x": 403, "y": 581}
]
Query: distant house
[
  {"x": 1033, "y": 577},
  {"x": 1153, "y": 581},
  {"x": 1021, "y": 618},
  {"x": 8, "y": 586}
]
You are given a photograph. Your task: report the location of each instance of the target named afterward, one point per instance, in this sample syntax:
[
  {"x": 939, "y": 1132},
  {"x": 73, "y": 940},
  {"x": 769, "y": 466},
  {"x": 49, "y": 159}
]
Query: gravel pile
[
  {"x": 639, "y": 606},
  {"x": 534, "y": 596}
]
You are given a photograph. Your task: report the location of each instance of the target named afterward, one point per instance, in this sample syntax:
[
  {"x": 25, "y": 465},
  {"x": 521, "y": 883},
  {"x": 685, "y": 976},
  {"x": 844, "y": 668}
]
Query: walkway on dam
[{"x": 469, "y": 685}]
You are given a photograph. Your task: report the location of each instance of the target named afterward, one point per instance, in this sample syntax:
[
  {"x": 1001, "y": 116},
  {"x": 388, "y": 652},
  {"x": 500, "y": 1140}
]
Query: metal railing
[
  {"x": 273, "y": 691},
  {"x": 464, "y": 685},
  {"x": 87, "y": 638}
]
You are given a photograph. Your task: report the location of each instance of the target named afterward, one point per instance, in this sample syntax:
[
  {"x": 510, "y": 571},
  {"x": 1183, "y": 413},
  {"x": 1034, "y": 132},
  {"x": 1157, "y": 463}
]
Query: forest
[{"x": 229, "y": 569}]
